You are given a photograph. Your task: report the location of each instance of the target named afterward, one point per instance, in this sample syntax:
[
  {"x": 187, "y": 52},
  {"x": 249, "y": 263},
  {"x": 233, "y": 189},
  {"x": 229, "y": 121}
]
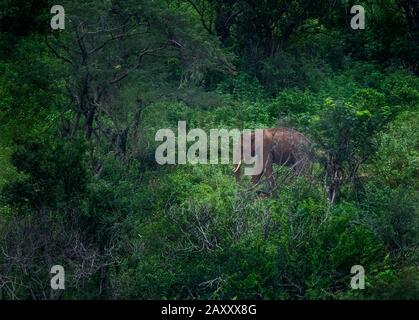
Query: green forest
[{"x": 81, "y": 102}]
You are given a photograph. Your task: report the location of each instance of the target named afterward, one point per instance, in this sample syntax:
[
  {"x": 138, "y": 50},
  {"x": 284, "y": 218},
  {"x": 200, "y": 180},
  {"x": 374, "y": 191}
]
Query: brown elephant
[{"x": 283, "y": 146}]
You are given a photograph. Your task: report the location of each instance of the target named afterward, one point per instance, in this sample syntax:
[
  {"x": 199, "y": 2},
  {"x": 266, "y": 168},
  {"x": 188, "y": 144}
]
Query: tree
[
  {"x": 346, "y": 131},
  {"x": 114, "y": 49}
]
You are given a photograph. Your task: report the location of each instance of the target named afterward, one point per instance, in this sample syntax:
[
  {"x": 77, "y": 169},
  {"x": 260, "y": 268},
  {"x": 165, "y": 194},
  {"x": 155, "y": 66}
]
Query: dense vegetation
[{"x": 80, "y": 187}]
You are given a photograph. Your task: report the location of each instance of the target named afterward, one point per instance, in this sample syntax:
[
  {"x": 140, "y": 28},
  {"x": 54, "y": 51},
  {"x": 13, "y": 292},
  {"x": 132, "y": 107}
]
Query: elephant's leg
[
  {"x": 256, "y": 178},
  {"x": 269, "y": 172},
  {"x": 238, "y": 159},
  {"x": 263, "y": 157}
]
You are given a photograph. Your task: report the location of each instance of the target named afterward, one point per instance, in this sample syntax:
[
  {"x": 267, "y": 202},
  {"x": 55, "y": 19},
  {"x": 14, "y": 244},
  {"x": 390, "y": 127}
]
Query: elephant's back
[
  {"x": 288, "y": 142},
  {"x": 285, "y": 133}
]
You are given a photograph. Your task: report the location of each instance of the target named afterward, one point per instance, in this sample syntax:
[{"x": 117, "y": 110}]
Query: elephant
[{"x": 283, "y": 146}]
